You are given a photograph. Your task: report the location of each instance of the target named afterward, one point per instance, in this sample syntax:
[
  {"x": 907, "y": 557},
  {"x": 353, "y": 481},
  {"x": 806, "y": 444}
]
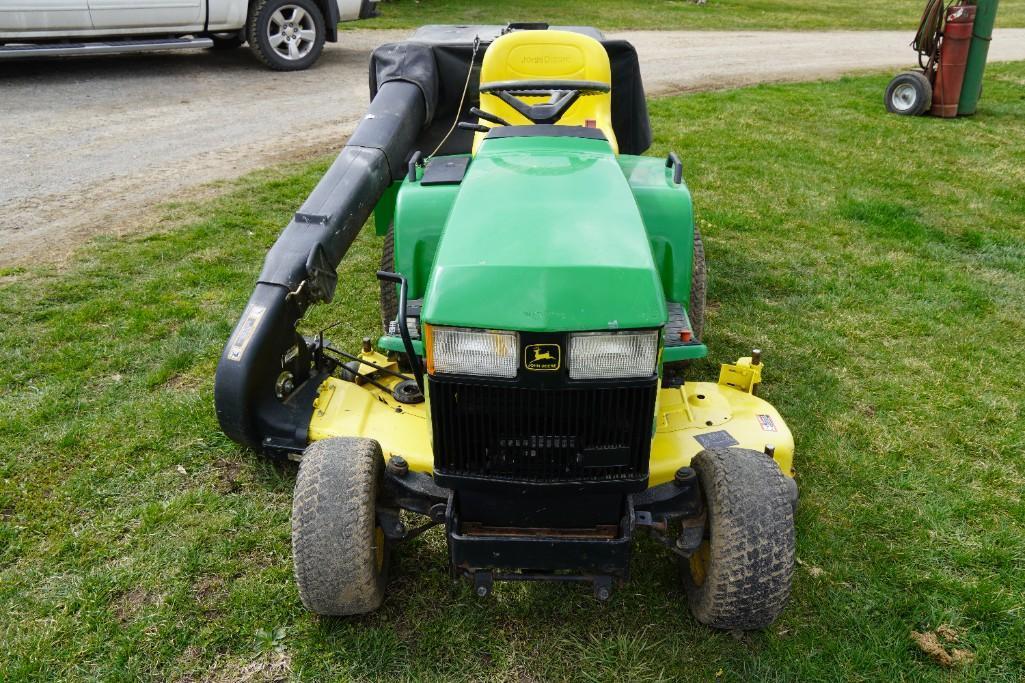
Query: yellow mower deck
[{"x": 688, "y": 419}]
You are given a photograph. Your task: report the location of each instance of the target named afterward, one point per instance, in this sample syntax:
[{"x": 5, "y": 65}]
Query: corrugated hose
[{"x": 930, "y": 29}]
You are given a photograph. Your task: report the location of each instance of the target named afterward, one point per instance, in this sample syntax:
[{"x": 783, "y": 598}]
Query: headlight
[
  {"x": 594, "y": 355},
  {"x": 461, "y": 351}
]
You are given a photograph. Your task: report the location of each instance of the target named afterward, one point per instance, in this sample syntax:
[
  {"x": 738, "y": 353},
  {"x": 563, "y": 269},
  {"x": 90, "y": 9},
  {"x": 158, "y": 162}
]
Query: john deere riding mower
[{"x": 543, "y": 291}]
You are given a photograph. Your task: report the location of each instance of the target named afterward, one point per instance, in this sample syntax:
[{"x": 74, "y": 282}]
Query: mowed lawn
[
  {"x": 879, "y": 262},
  {"x": 673, "y": 14}
]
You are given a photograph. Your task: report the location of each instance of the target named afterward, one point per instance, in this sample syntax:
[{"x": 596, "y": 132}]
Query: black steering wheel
[{"x": 561, "y": 96}]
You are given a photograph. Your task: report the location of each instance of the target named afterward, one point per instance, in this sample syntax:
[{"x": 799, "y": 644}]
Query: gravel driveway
[{"x": 92, "y": 145}]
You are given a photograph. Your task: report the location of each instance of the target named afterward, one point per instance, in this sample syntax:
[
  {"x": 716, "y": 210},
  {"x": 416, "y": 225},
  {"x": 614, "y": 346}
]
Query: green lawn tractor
[{"x": 542, "y": 293}]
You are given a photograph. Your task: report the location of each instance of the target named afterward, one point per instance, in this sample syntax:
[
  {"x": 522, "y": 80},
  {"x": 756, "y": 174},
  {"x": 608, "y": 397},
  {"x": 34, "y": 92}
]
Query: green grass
[
  {"x": 672, "y": 14},
  {"x": 877, "y": 260}
]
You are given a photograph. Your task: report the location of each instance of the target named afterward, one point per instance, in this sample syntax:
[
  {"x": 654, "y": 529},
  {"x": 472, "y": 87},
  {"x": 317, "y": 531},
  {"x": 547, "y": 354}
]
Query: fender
[{"x": 330, "y": 9}]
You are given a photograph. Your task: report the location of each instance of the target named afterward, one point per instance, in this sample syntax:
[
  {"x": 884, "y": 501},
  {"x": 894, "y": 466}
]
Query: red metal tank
[{"x": 957, "y": 38}]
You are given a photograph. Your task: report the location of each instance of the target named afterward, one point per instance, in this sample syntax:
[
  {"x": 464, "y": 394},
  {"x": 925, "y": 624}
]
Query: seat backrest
[{"x": 548, "y": 55}]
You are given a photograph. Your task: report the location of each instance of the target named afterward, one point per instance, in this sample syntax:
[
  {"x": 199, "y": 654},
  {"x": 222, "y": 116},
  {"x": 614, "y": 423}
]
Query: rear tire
[
  {"x": 908, "y": 94},
  {"x": 339, "y": 550},
  {"x": 272, "y": 21},
  {"x": 389, "y": 295},
  {"x": 672, "y": 373},
  {"x": 698, "y": 288},
  {"x": 740, "y": 577}
]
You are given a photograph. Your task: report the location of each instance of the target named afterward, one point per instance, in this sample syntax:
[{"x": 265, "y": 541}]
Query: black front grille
[{"x": 542, "y": 434}]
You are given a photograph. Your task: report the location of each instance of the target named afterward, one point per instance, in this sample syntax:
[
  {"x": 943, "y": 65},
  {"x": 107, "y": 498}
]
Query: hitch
[
  {"x": 745, "y": 374},
  {"x": 483, "y": 583}
]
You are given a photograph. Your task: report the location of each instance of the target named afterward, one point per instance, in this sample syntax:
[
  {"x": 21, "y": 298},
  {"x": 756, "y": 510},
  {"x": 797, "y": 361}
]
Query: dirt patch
[
  {"x": 274, "y": 667},
  {"x": 208, "y": 589},
  {"x": 812, "y": 570},
  {"x": 230, "y": 476},
  {"x": 133, "y": 602},
  {"x": 256, "y": 560},
  {"x": 178, "y": 382},
  {"x": 938, "y": 645}
]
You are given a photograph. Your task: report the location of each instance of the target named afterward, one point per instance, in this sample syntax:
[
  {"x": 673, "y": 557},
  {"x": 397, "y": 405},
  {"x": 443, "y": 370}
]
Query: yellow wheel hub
[
  {"x": 379, "y": 547},
  {"x": 699, "y": 563}
]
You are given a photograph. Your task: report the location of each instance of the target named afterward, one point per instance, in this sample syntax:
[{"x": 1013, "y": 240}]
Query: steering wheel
[{"x": 561, "y": 96}]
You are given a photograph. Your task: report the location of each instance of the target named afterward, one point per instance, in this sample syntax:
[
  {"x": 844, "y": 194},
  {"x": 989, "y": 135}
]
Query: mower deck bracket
[{"x": 744, "y": 375}]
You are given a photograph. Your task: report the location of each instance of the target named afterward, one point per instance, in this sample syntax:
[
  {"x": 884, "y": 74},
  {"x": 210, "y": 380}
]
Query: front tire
[
  {"x": 339, "y": 550},
  {"x": 286, "y": 35},
  {"x": 740, "y": 577}
]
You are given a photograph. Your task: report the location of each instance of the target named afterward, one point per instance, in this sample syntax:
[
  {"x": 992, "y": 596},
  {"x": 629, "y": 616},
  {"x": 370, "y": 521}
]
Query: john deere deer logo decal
[{"x": 542, "y": 357}]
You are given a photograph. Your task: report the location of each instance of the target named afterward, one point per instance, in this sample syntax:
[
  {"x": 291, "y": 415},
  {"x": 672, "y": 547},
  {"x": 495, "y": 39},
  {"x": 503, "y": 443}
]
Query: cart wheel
[
  {"x": 909, "y": 94},
  {"x": 340, "y": 551},
  {"x": 740, "y": 576}
]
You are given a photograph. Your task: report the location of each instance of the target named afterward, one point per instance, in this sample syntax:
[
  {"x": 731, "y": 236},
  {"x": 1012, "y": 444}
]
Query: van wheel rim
[
  {"x": 904, "y": 97},
  {"x": 291, "y": 32}
]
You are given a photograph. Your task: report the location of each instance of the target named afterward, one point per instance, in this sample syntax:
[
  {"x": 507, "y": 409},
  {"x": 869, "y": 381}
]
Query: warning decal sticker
[
  {"x": 719, "y": 439},
  {"x": 767, "y": 424},
  {"x": 245, "y": 332}
]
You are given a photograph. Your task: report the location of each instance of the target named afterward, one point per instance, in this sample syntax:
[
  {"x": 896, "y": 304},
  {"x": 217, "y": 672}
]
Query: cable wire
[
  {"x": 930, "y": 30},
  {"x": 462, "y": 98}
]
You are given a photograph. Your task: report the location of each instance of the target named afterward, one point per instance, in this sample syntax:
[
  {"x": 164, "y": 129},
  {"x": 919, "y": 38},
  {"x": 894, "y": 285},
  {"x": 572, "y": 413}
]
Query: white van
[{"x": 286, "y": 35}]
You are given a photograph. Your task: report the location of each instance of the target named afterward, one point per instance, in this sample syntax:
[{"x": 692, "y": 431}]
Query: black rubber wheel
[
  {"x": 228, "y": 41},
  {"x": 339, "y": 550},
  {"x": 698, "y": 288},
  {"x": 908, "y": 94},
  {"x": 389, "y": 296},
  {"x": 740, "y": 576},
  {"x": 672, "y": 373},
  {"x": 286, "y": 35}
]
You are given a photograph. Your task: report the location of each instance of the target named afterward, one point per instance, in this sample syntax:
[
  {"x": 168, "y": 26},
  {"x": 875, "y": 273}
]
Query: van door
[
  {"x": 172, "y": 15},
  {"x": 24, "y": 16}
]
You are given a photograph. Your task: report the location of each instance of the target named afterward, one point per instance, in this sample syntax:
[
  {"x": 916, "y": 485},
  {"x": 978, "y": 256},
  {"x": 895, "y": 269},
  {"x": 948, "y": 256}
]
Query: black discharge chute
[{"x": 268, "y": 374}]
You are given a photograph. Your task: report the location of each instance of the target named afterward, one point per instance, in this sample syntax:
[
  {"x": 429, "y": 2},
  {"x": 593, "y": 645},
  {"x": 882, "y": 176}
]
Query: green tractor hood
[{"x": 544, "y": 235}]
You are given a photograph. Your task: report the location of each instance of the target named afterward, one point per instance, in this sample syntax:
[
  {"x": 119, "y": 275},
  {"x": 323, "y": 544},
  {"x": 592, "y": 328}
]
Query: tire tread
[
  {"x": 333, "y": 523},
  {"x": 751, "y": 521}
]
